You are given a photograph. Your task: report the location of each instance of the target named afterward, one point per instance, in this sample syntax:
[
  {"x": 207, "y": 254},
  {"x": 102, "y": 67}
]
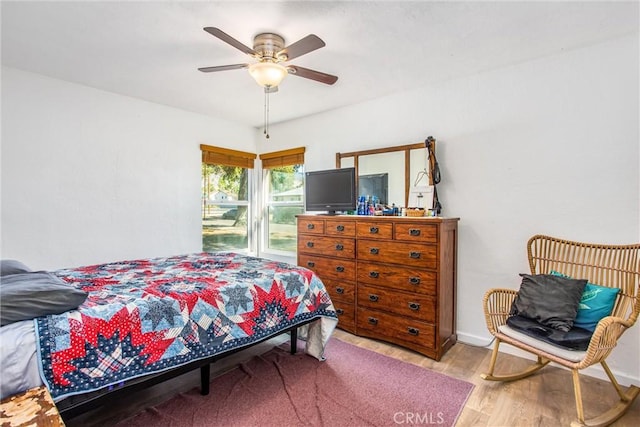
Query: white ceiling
[{"x": 151, "y": 50}]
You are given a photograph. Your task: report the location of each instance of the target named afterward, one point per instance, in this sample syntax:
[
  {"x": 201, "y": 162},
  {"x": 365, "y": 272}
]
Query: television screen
[{"x": 330, "y": 190}]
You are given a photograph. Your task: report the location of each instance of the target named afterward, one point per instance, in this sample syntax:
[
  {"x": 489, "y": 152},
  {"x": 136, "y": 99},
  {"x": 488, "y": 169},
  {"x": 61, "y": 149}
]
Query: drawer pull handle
[
  {"x": 311, "y": 264},
  {"x": 339, "y": 290},
  {"x": 340, "y": 227},
  {"x": 413, "y": 331},
  {"x": 373, "y": 230},
  {"x": 309, "y": 244},
  {"x": 339, "y": 247},
  {"x": 374, "y": 251},
  {"x": 373, "y": 298},
  {"x": 340, "y": 269},
  {"x": 339, "y": 311},
  {"x": 374, "y": 274},
  {"x": 414, "y": 255},
  {"x": 414, "y": 280},
  {"x": 414, "y": 306},
  {"x": 414, "y": 232},
  {"x": 372, "y": 321},
  {"x": 310, "y": 226}
]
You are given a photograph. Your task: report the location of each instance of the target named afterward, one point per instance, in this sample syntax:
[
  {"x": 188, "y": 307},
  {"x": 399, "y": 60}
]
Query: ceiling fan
[{"x": 270, "y": 51}]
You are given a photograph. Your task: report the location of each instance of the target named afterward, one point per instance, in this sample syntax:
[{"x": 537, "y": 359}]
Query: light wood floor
[{"x": 544, "y": 399}]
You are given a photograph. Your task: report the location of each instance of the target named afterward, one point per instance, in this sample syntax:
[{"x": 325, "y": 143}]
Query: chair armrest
[
  {"x": 604, "y": 339},
  {"x": 496, "y": 305}
]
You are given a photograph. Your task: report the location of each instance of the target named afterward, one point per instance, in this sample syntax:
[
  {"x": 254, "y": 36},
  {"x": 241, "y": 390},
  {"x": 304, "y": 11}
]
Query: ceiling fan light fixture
[{"x": 267, "y": 74}]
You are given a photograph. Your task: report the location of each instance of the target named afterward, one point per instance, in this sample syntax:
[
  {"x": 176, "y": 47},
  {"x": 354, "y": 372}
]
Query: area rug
[{"x": 352, "y": 387}]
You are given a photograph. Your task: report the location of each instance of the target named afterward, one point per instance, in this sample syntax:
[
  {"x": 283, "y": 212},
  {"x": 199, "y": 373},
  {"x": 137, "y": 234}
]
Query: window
[
  {"x": 283, "y": 184},
  {"x": 226, "y": 207}
]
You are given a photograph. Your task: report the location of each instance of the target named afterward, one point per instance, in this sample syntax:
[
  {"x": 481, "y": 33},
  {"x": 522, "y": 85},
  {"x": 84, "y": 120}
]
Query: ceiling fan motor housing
[{"x": 267, "y": 45}]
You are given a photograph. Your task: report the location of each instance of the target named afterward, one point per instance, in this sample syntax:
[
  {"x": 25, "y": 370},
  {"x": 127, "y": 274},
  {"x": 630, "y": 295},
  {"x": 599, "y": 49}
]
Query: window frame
[
  {"x": 235, "y": 158},
  {"x": 273, "y": 160}
]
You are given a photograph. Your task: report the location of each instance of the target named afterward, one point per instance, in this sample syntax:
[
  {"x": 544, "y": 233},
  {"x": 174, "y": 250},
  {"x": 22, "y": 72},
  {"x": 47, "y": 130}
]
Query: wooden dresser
[{"x": 390, "y": 278}]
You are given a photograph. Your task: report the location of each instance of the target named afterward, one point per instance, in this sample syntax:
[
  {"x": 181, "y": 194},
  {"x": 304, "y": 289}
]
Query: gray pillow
[
  {"x": 548, "y": 299},
  {"x": 11, "y": 266},
  {"x": 25, "y": 296}
]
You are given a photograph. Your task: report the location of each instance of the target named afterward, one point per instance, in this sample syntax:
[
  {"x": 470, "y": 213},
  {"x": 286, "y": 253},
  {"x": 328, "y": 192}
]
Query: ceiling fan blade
[
  {"x": 302, "y": 46},
  {"x": 216, "y": 32},
  {"x": 312, "y": 74},
  {"x": 223, "y": 68}
]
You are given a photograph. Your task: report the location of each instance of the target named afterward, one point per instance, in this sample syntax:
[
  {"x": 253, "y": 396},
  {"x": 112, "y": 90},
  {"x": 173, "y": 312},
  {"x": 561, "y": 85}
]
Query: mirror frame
[{"x": 407, "y": 165}]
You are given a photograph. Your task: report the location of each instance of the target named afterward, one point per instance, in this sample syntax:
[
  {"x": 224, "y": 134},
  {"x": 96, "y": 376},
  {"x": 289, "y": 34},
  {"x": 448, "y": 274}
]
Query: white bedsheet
[{"x": 18, "y": 360}]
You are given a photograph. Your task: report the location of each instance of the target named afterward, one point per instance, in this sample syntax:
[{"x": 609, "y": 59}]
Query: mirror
[
  {"x": 378, "y": 176},
  {"x": 389, "y": 173}
]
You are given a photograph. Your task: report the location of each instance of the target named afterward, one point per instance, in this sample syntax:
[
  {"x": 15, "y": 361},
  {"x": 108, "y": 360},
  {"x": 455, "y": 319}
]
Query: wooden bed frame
[{"x": 73, "y": 406}]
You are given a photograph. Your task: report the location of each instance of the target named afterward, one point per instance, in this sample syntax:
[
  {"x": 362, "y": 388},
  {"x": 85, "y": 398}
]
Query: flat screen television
[{"x": 330, "y": 190}]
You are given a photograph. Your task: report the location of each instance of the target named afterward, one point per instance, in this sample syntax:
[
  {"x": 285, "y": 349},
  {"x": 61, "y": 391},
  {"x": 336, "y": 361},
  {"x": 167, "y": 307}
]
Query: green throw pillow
[{"x": 596, "y": 303}]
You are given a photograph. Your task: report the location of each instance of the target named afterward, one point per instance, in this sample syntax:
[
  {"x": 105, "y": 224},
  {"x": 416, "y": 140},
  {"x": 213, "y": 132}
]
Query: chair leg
[
  {"x": 614, "y": 382},
  {"x": 578, "y": 395},
  {"x": 617, "y": 411},
  {"x": 540, "y": 363},
  {"x": 494, "y": 357}
]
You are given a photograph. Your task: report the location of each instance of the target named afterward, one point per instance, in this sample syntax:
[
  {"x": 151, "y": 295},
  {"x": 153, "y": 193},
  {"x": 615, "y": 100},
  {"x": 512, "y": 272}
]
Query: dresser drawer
[
  {"x": 374, "y": 230},
  {"x": 407, "y": 254},
  {"x": 340, "y": 290},
  {"x": 310, "y": 226},
  {"x": 327, "y": 268},
  {"x": 416, "y": 232},
  {"x": 336, "y": 227},
  {"x": 417, "y": 306},
  {"x": 397, "y": 329},
  {"x": 398, "y": 277},
  {"x": 346, "y": 316},
  {"x": 329, "y": 246}
]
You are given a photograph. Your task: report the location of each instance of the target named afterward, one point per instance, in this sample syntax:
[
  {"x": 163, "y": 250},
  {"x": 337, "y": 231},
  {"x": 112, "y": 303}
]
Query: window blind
[
  {"x": 226, "y": 156},
  {"x": 293, "y": 156}
]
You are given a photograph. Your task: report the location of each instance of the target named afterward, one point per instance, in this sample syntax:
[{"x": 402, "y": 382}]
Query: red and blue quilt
[{"x": 150, "y": 315}]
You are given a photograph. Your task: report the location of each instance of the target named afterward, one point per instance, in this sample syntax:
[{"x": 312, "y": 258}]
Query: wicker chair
[{"x": 606, "y": 265}]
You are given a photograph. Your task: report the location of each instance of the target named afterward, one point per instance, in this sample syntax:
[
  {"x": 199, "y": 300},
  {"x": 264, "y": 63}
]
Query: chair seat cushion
[
  {"x": 561, "y": 352},
  {"x": 575, "y": 339}
]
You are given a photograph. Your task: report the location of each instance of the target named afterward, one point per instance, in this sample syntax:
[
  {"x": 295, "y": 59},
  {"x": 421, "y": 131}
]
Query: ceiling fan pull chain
[{"x": 266, "y": 112}]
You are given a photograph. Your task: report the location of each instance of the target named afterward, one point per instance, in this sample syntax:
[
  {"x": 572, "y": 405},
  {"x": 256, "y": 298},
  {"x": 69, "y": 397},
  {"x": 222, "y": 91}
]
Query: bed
[{"x": 143, "y": 321}]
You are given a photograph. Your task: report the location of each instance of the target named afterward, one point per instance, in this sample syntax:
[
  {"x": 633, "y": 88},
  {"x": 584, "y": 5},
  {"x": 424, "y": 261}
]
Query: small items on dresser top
[{"x": 34, "y": 407}]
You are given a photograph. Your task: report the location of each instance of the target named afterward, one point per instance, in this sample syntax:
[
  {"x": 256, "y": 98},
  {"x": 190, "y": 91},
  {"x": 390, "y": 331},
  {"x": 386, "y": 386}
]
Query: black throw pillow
[{"x": 548, "y": 299}]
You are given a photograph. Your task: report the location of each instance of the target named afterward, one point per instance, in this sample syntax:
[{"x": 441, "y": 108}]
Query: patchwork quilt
[{"x": 147, "y": 316}]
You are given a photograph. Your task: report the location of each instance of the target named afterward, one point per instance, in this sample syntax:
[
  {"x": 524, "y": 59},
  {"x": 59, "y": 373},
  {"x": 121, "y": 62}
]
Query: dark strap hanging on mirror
[{"x": 434, "y": 172}]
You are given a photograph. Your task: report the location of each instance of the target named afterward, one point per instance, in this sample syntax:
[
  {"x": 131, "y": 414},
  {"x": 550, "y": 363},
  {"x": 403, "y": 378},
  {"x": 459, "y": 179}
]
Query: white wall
[
  {"x": 549, "y": 146},
  {"x": 90, "y": 177}
]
